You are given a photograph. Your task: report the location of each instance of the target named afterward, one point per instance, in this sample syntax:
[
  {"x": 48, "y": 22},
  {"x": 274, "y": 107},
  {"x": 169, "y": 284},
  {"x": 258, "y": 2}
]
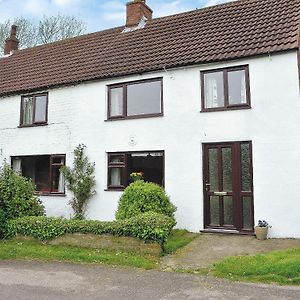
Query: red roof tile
[{"x": 233, "y": 30}]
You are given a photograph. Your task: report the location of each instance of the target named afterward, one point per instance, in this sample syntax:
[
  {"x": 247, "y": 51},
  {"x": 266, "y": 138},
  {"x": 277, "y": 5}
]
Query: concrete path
[
  {"x": 60, "y": 281},
  {"x": 210, "y": 248}
]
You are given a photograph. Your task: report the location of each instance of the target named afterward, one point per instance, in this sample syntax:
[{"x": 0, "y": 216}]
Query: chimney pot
[
  {"x": 11, "y": 43},
  {"x": 135, "y": 11}
]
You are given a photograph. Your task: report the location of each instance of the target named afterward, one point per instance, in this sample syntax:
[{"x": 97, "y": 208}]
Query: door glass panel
[
  {"x": 228, "y": 210},
  {"x": 227, "y": 169},
  {"x": 213, "y": 169},
  {"x": 246, "y": 167},
  {"x": 247, "y": 213},
  {"x": 214, "y": 210}
]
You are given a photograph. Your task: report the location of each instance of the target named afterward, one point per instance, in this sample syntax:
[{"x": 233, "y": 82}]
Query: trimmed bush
[
  {"x": 140, "y": 197},
  {"x": 150, "y": 227},
  {"x": 17, "y": 197}
]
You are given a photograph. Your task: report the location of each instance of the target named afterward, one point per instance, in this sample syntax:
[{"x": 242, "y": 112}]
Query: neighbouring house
[{"x": 205, "y": 103}]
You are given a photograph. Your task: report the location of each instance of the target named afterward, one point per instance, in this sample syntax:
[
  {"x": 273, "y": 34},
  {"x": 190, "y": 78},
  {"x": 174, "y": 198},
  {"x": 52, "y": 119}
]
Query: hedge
[{"x": 150, "y": 227}]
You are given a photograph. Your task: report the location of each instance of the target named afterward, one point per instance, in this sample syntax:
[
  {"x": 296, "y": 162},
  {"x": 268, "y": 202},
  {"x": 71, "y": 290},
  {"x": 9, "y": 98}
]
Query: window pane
[
  {"x": 57, "y": 181},
  {"x": 39, "y": 170},
  {"x": 227, "y": 169},
  {"x": 116, "y": 158},
  {"x": 214, "y": 90},
  {"x": 58, "y": 160},
  {"x": 247, "y": 213},
  {"x": 213, "y": 169},
  {"x": 214, "y": 210},
  {"x": 144, "y": 98},
  {"x": 148, "y": 163},
  {"x": 246, "y": 167},
  {"x": 116, "y": 175},
  {"x": 237, "y": 87},
  {"x": 27, "y": 112},
  {"x": 40, "y": 109},
  {"x": 17, "y": 164},
  {"x": 42, "y": 173},
  {"x": 116, "y": 102}
]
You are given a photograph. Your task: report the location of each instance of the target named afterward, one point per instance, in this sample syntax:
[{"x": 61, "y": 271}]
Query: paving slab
[{"x": 211, "y": 248}]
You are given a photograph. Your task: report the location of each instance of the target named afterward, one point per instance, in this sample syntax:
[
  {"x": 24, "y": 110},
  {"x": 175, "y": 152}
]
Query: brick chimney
[
  {"x": 11, "y": 43},
  {"x": 135, "y": 11}
]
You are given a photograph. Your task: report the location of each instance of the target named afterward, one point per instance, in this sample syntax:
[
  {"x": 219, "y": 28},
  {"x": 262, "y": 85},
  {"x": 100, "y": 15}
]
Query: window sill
[
  {"x": 134, "y": 117},
  {"x": 51, "y": 194},
  {"x": 235, "y": 107},
  {"x": 32, "y": 125},
  {"x": 114, "y": 190}
]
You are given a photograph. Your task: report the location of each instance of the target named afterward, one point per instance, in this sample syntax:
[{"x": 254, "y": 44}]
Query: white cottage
[{"x": 205, "y": 103}]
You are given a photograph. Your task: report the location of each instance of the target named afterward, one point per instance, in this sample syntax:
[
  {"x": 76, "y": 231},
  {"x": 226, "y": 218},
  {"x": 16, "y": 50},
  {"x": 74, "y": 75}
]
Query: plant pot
[{"x": 261, "y": 232}]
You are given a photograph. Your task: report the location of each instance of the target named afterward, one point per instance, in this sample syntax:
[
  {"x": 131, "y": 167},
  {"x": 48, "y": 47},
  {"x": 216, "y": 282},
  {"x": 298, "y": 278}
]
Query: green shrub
[
  {"x": 140, "y": 197},
  {"x": 80, "y": 181},
  {"x": 2, "y": 223},
  {"x": 148, "y": 227},
  {"x": 17, "y": 197}
]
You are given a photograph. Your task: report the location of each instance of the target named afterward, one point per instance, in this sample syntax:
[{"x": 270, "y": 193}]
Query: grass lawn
[
  {"x": 178, "y": 238},
  {"x": 32, "y": 250},
  {"x": 281, "y": 267}
]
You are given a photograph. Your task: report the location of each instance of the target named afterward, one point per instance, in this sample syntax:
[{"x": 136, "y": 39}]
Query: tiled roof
[{"x": 233, "y": 30}]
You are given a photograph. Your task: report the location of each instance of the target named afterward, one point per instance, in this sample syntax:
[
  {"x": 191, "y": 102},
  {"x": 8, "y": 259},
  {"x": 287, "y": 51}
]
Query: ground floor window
[
  {"x": 43, "y": 170},
  {"x": 122, "y": 164}
]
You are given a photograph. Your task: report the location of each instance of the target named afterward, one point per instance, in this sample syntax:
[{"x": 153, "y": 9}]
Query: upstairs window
[
  {"x": 225, "y": 89},
  {"x": 34, "y": 110},
  {"x": 135, "y": 99},
  {"x": 43, "y": 170},
  {"x": 122, "y": 164}
]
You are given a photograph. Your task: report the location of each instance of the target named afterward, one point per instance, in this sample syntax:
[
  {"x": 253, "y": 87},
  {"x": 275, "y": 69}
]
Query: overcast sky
[{"x": 97, "y": 14}]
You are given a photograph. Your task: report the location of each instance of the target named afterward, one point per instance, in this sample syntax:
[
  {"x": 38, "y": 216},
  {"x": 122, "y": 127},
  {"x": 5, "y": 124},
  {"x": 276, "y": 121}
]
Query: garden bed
[{"x": 145, "y": 233}]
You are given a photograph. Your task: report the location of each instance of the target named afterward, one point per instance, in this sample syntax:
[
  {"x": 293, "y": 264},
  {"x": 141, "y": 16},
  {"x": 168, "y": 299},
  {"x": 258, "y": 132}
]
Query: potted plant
[
  {"x": 261, "y": 230},
  {"x": 135, "y": 176}
]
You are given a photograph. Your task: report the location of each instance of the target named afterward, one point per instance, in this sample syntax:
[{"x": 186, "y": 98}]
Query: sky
[{"x": 96, "y": 14}]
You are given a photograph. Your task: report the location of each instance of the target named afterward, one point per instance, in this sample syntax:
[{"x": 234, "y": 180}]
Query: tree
[
  {"x": 47, "y": 30},
  {"x": 80, "y": 181},
  {"x": 59, "y": 27}
]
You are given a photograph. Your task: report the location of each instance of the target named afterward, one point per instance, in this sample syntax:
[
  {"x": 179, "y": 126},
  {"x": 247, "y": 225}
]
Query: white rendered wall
[{"x": 77, "y": 115}]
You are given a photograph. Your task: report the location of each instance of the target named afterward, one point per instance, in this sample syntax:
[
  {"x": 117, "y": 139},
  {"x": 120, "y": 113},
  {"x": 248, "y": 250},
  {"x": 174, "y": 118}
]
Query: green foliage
[
  {"x": 140, "y": 197},
  {"x": 282, "y": 267},
  {"x": 80, "y": 181},
  {"x": 148, "y": 227},
  {"x": 17, "y": 197}
]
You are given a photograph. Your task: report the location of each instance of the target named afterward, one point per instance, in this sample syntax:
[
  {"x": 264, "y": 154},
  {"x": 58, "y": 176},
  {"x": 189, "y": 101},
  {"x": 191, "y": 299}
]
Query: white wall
[{"x": 77, "y": 115}]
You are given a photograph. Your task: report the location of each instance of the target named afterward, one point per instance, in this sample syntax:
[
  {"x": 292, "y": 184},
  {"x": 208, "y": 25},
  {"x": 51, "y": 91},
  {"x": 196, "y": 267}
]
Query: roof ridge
[
  {"x": 234, "y": 30},
  {"x": 74, "y": 38},
  {"x": 107, "y": 30}
]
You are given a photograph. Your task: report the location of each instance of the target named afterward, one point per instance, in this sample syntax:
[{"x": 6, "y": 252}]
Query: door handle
[{"x": 207, "y": 186}]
